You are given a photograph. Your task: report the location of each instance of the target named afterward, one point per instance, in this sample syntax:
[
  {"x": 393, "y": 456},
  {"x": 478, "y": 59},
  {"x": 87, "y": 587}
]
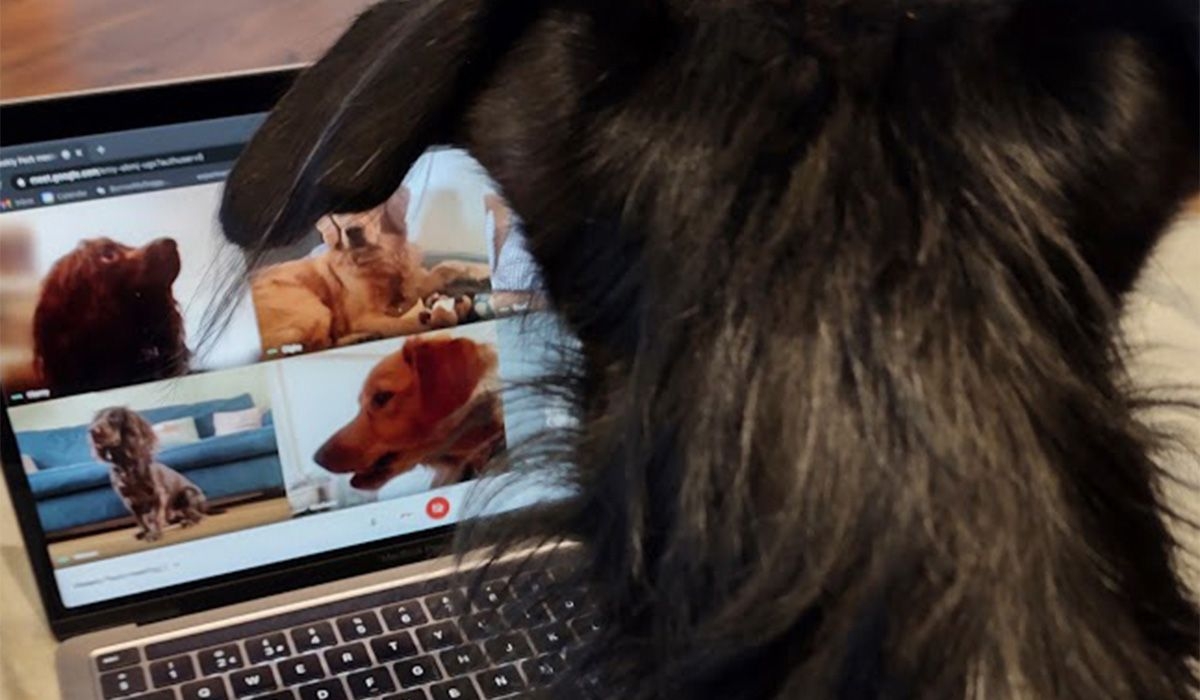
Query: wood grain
[{"x": 52, "y": 46}]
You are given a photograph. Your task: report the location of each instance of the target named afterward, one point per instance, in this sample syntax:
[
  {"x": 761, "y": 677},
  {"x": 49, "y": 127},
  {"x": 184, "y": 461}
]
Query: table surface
[{"x": 64, "y": 45}]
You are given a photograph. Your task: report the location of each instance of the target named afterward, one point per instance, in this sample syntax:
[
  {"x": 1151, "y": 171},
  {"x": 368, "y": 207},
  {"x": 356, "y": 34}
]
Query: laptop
[{"x": 223, "y": 495}]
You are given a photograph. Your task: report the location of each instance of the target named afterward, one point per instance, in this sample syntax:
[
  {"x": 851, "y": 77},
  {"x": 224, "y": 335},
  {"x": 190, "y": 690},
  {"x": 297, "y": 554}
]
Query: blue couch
[{"x": 73, "y": 490}]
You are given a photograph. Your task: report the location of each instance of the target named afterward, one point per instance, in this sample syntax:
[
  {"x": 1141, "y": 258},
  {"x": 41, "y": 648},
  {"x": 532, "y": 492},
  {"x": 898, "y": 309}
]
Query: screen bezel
[{"x": 87, "y": 114}]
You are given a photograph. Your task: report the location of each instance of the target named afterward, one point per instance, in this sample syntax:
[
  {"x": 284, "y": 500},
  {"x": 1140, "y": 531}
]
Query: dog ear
[
  {"x": 331, "y": 233},
  {"x": 136, "y": 430},
  {"x": 447, "y": 370},
  {"x": 1139, "y": 104},
  {"x": 395, "y": 213},
  {"x": 1181, "y": 18},
  {"x": 350, "y": 128}
]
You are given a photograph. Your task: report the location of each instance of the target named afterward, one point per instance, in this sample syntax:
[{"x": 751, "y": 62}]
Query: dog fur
[
  {"x": 433, "y": 402},
  {"x": 106, "y": 317},
  {"x": 155, "y": 495},
  {"x": 845, "y": 276},
  {"x": 370, "y": 284}
]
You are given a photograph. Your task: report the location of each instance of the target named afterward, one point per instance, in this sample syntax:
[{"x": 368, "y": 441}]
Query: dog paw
[{"x": 443, "y": 311}]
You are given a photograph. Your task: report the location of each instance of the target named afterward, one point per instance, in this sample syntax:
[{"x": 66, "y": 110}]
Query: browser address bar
[{"x": 140, "y": 165}]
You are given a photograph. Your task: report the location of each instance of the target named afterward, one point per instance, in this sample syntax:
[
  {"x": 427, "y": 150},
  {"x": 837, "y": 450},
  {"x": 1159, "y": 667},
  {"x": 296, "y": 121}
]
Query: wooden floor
[
  {"x": 115, "y": 543},
  {"x": 49, "y": 46}
]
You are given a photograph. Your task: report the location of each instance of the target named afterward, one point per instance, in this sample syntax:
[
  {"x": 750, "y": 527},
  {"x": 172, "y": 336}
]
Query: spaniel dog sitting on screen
[
  {"x": 155, "y": 494},
  {"x": 845, "y": 278},
  {"x": 107, "y": 317}
]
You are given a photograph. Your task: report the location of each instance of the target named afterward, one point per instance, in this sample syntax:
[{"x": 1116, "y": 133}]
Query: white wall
[{"x": 446, "y": 213}]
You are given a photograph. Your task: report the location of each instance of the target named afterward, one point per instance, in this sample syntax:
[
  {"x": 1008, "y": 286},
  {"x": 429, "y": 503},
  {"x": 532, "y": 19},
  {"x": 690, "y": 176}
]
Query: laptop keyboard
[{"x": 422, "y": 641}]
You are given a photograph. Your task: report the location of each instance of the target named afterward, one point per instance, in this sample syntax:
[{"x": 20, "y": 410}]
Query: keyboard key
[
  {"x": 523, "y": 615},
  {"x": 358, "y": 626},
  {"x": 331, "y": 689},
  {"x": 370, "y": 684},
  {"x": 208, "y": 689},
  {"x": 530, "y": 585},
  {"x": 281, "y": 695},
  {"x": 314, "y": 636},
  {"x": 457, "y": 689},
  {"x": 409, "y": 695},
  {"x": 347, "y": 658},
  {"x": 551, "y": 638},
  {"x": 500, "y": 682},
  {"x": 117, "y": 659},
  {"x": 163, "y": 695},
  {"x": 271, "y": 647},
  {"x": 491, "y": 595},
  {"x": 417, "y": 671},
  {"x": 393, "y": 647},
  {"x": 252, "y": 681},
  {"x": 586, "y": 626},
  {"x": 543, "y": 670},
  {"x": 507, "y": 648},
  {"x": 443, "y": 635},
  {"x": 172, "y": 671},
  {"x": 120, "y": 683},
  {"x": 220, "y": 660},
  {"x": 404, "y": 615},
  {"x": 300, "y": 669},
  {"x": 464, "y": 659},
  {"x": 566, "y": 605},
  {"x": 482, "y": 625},
  {"x": 446, "y": 605},
  {"x": 292, "y": 619}
]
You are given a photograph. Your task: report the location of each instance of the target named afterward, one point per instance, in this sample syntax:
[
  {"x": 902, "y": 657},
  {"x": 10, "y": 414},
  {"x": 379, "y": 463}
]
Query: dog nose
[{"x": 330, "y": 457}]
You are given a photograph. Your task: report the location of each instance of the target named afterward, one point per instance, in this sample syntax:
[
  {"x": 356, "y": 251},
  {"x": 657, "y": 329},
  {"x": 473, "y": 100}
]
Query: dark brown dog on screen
[
  {"x": 107, "y": 317},
  {"x": 845, "y": 277},
  {"x": 155, "y": 494}
]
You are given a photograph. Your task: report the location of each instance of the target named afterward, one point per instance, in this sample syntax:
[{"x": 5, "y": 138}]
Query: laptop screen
[{"x": 354, "y": 392}]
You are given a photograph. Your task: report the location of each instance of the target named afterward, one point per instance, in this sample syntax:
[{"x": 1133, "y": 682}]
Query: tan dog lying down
[
  {"x": 370, "y": 284},
  {"x": 155, "y": 494}
]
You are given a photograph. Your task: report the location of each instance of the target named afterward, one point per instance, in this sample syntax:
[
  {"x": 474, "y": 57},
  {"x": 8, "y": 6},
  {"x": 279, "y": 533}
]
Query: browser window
[{"x": 356, "y": 389}]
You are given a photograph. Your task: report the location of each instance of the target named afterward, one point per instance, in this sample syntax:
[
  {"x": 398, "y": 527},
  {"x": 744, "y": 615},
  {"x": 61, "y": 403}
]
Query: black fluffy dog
[{"x": 845, "y": 276}]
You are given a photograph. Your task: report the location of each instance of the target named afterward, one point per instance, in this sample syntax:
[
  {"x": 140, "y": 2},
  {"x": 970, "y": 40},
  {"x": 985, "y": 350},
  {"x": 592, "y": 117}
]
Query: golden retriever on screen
[
  {"x": 434, "y": 403},
  {"x": 369, "y": 284}
]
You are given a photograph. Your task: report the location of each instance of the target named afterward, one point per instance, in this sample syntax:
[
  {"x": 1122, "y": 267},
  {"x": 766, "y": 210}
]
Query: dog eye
[
  {"x": 380, "y": 398},
  {"x": 110, "y": 253}
]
